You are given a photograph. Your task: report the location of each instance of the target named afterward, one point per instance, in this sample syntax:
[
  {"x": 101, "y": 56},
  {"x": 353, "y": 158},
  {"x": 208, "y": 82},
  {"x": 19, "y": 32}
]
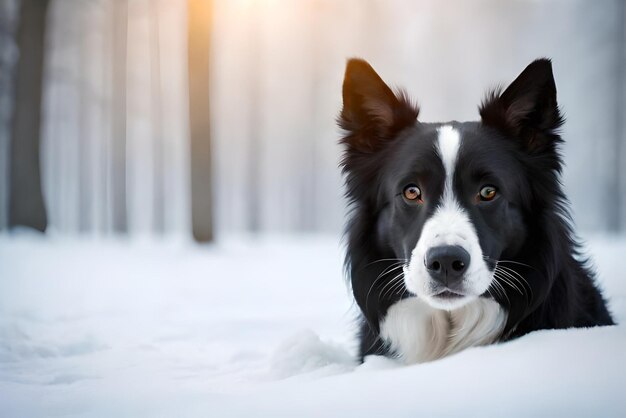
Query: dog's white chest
[{"x": 418, "y": 332}]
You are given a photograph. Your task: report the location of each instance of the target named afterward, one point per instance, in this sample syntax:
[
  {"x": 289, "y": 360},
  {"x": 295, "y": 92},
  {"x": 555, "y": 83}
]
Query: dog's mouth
[{"x": 447, "y": 294}]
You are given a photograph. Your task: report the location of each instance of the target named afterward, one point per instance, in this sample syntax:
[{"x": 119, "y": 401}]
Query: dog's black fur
[{"x": 516, "y": 145}]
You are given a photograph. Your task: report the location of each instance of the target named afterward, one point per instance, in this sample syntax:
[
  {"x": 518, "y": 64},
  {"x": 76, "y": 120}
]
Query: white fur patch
[
  {"x": 448, "y": 144},
  {"x": 417, "y": 332},
  {"x": 449, "y": 225}
]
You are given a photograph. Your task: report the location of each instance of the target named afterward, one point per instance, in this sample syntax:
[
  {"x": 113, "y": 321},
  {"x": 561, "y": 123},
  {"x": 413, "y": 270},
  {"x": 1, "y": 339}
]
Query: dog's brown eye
[
  {"x": 412, "y": 192},
  {"x": 487, "y": 193}
]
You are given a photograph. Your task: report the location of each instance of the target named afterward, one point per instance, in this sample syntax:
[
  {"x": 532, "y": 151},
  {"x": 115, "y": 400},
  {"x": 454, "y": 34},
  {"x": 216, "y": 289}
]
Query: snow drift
[{"x": 261, "y": 327}]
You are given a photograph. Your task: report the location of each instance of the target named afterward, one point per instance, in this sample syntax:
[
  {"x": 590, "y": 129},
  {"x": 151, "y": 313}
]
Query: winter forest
[
  {"x": 172, "y": 204},
  {"x": 115, "y": 153}
]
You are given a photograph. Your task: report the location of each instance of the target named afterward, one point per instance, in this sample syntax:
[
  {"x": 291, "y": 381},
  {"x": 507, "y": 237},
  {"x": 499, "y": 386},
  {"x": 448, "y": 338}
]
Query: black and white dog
[{"x": 459, "y": 233}]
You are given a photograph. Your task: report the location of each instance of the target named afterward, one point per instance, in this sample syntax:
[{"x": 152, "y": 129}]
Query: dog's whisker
[
  {"x": 513, "y": 271},
  {"x": 391, "y": 285},
  {"x": 506, "y": 280},
  {"x": 509, "y": 279},
  {"x": 385, "y": 259},
  {"x": 514, "y": 275},
  {"x": 485, "y": 257},
  {"x": 499, "y": 288},
  {"x": 496, "y": 289},
  {"x": 387, "y": 270},
  {"x": 518, "y": 263},
  {"x": 506, "y": 296},
  {"x": 399, "y": 286},
  {"x": 390, "y": 282},
  {"x": 394, "y": 289},
  {"x": 394, "y": 266},
  {"x": 367, "y": 297},
  {"x": 511, "y": 276},
  {"x": 519, "y": 278}
]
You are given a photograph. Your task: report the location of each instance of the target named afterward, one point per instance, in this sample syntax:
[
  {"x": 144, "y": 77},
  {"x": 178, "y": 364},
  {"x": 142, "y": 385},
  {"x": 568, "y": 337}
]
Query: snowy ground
[{"x": 261, "y": 328}]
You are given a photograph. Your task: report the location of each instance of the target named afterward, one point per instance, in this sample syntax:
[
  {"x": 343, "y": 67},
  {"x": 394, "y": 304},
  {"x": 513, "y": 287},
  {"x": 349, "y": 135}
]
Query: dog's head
[{"x": 450, "y": 199}]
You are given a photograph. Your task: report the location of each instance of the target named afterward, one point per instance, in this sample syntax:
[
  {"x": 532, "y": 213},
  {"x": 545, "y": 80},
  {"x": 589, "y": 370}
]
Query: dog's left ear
[
  {"x": 527, "y": 109},
  {"x": 372, "y": 114}
]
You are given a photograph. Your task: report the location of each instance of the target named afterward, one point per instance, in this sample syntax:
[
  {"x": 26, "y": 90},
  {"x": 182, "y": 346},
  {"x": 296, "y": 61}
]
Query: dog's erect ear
[
  {"x": 527, "y": 108},
  {"x": 372, "y": 113}
]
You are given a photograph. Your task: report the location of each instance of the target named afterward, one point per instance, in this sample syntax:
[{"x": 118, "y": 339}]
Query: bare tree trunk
[
  {"x": 199, "y": 19},
  {"x": 26, "y": 200},
  {"x": 254, "y": 121},
  {"x": 9, "y": 14},
  {"x": 157, "y": 118},
  {"x": 85, "y": 136},
  {"x": 118, "y": 140},
  {"x": 621, "y": 130}
]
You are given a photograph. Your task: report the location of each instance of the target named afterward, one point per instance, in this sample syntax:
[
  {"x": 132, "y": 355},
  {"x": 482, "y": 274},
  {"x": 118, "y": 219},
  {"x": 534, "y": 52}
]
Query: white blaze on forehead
[{"x": 448, "y": 143}]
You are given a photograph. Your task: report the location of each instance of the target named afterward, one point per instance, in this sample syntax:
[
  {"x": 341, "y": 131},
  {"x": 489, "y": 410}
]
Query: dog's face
[
  {"x": 453, "y": 209},
  {"x": 448, "y": 198}
]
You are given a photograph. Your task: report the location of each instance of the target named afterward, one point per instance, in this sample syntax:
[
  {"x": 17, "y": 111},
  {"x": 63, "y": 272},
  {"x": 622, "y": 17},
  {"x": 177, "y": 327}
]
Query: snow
[{"x": 261, "y": 327}]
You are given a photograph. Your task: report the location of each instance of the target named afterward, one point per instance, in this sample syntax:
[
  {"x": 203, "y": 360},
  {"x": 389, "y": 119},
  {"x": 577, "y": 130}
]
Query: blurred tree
[
  {"x": 118, "y": 145},
  {"x": 8, "y": 57},
  {"x": 157, "y": 119},
  {"x": 621, "y": 128},
  {"x": 199, "y": 18},
  {"x": 26, "y": 206}
]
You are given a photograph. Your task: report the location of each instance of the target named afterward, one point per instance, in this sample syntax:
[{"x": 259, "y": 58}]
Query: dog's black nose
[{"x": 447, "y": 264}]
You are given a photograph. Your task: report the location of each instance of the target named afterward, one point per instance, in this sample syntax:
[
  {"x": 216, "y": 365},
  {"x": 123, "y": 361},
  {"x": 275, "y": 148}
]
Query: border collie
[{"x": 459, "y": 233}]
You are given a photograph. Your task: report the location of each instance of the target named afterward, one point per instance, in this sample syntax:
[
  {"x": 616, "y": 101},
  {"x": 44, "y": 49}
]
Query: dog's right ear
[{"x": 372, "y": 114}]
